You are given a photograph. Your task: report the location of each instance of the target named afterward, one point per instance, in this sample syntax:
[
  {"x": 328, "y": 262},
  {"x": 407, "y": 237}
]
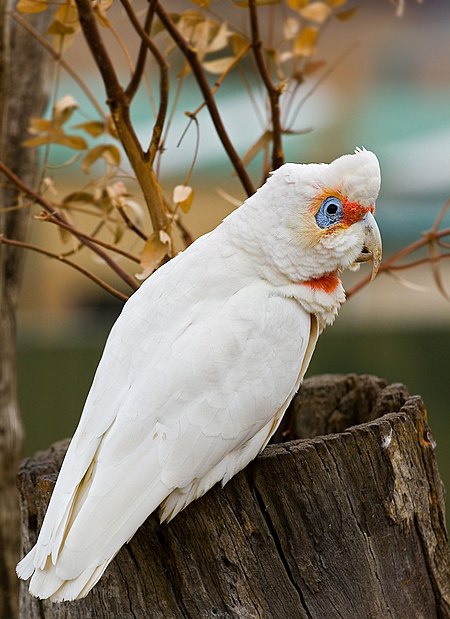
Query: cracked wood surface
[{"x": 347, "y": 522}]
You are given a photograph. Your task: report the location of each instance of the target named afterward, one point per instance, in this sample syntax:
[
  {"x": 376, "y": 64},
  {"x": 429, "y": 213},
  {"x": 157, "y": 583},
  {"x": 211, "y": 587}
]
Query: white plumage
[{"x": 201, "y": 365}]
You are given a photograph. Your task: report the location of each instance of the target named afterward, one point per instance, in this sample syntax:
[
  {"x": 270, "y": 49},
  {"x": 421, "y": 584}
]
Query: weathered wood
[
  {"x": 21, "y": 96},
  {"x": 338, "y": 526}
]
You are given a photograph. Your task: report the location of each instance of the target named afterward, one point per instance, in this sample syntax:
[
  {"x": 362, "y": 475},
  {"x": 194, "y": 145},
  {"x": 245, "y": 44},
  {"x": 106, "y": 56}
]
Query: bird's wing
[{"x": 210, "y": 384}]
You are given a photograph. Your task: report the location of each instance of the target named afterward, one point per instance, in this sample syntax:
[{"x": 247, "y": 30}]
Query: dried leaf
[
  {"x": 238, "y": 43},
  {"x": 65, "y": 23},
  {"x": 318, "y": 12},
  {"x": 220, "y": 39},
  {"x": 83, "y": 197},
  {"x": 40, "y": 125},
  {"x": 93, "y": 127},
  {"x": 183, "y": 196},
  {"x": 204, "y": 4},
  {"x": 63, "y": 110},
  {"x": 335, "y": 4},
  {"x": 306, "y": 42},
  {"x": 57, "y": 137},
  {"x": 259, "y": 145},
  {"x": 244, "y": 3},
  {"x": 219, "y": 66},
  {"x": 156, "y": 248},
  {"x": 348, "y": 14},
  {"x": 108, "y": 152},
  {"x": 314, "y": 66},
  {"x": 111, "y": 127},
  {"x": 32, "y": 6},
  {"x": 291, "y": 26},
  {"x": 297, "y": 4}
]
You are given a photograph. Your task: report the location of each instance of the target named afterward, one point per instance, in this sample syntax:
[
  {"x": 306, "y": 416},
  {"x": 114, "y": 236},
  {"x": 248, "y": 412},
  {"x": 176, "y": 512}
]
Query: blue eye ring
[{"x": 330, "y": 212}]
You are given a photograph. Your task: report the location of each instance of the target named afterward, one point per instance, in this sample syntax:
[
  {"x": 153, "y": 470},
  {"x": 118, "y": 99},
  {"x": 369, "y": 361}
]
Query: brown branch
[
  {"x": 203, "y": 84},
  {"x": 82, "y": 236},
  {"x": 136, "y": 78},
  {"x": 187, "y": 237},
  {"x": 100, "y": 282},
  {"x": 131, "y": 281},
  {"x": 428, "y": 238},
  {"x": 273, "y": 92},
  {"x": 163, "y": 83},
  {"x": 120, "y": 112},
  {"x": 130, "y": 224}
]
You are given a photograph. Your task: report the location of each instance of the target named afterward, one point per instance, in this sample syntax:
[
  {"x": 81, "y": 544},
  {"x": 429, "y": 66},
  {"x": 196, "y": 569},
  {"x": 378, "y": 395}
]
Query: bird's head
[
  {"x": 313, "y": 221},
  {"x": 322, "y": 215}
]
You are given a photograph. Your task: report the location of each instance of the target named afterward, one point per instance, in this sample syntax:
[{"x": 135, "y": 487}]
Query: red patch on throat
[{"x": 326, "y": 283}]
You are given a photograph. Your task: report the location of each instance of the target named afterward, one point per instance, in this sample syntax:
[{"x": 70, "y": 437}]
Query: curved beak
[{"x": 372, "y": 249}]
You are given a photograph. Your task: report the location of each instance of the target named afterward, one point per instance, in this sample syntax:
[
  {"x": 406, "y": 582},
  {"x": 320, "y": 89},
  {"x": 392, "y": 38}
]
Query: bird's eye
[{"x": 330, "y": 212}]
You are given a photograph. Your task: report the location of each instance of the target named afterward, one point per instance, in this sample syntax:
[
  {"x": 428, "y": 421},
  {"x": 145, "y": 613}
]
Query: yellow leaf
[
  {"x": 156, "y": 248},
  {"x": 244, "y": 3},
  {"x": 64, "y": 109},
  {"x": 297, "y": 4},
  {"x": 32, "y": 6},
  {"x": 219, "y": 66},
  {"x": 40, "y": 125},
  {"x": 335, "y": 4},
  {"x": 238, "y": 43},
  {"x": 183, "y": 196},
  {"x": 204, "y": 4},
  {"x": 108, "y": 152},
  {"x": 306, "y": 42},
  {"x": 65, "y": 23},
  {"x": 344, "y": 15},
  {"x": 318, "y": 12},
  {"x": 83, "y": 197},
  {"x": 57, "y": 137},
  {"x": 93, "y": 127}
]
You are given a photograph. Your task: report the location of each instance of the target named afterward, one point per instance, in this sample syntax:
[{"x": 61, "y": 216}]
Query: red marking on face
[
  {"x": 326, "y": 283},
  {"x": 353, "y": 212}
]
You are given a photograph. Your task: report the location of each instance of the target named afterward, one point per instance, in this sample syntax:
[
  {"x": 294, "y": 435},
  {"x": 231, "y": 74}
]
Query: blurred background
[{"x": 390, "y": 92}]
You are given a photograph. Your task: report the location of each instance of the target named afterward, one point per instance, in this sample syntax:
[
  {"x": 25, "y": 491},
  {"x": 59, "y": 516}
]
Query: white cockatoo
[{"x": 202, "y": 363}]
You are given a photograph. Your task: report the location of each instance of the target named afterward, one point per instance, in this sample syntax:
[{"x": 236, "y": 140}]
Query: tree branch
[
  {"x": 163, "y": 84},
  {"x": 100, "y": 282},
  {"x": 202, "y": 82},
  {"x": 273, "y": 92},
  {"x": 136, "y": 78},
  {"x": 120, "y": 112},
  {"x": 49, "y": 208}
]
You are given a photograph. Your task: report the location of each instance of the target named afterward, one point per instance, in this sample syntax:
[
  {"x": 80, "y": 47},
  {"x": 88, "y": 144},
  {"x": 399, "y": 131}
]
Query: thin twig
[
  {"x": 273, "y": 92},
  {"x": 163, "y": 83},
  {"x": 136, "y": 78},
  {"x": 131, "y": 281},
  {"x": 427, "y": 239},
  {"x": 100, "y": 282},
  {"x": 120, "y": 112},
  {"x": 130, "y": 224},
  {"x": 188, "y": 239},
  {"x": 202, "y": 82},
  {"x": 82, "y": 236}
]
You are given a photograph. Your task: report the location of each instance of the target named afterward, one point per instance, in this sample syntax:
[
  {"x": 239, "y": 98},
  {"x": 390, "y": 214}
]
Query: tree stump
[{"x": 346, "y": 525}]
